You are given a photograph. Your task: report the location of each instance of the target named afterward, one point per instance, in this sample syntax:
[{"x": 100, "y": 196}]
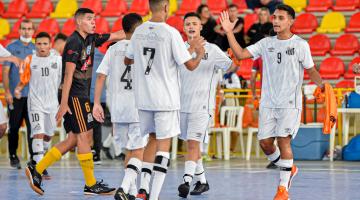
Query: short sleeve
[
  {"x": 104, "y": 66},
  {"x": 178, "y": 47},
  {"x": 59, "y": 63},
  {"x": 257, "y": 48},
  {"x": 130, "y": 50},
  {"x": 221, "y": 60},
  {"x": 4, "y": 52},
  {"x": 72, "y": 51},
  {"x": 305, "y": 57},
  {"x": 100, "y": 39}
]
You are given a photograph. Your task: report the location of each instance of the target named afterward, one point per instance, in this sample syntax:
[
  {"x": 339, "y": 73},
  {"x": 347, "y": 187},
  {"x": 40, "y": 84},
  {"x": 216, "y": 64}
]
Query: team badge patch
[
  {"x": 90, "y": 118},
  {"x": 54, "y": 65}
]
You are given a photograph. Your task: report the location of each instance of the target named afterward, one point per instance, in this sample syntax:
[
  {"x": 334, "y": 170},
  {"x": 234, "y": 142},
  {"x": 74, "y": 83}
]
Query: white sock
[
  {"x": 146, "y": 172},
  {"x": 38, "y": 149},
  {"x": 133, "y": 190},
  {"x": 132, "y": 169},
  {"x": 108, "y": 141},
  {"x": 46, "y": 146},
  {"x": 285, "y": 171},
  {"x": 160, "y": 169},
  {"x": 190, "y": 167},
  {"x": 200, "y": 172},
  {"x": 204, "y": 148},
  {"x": 274, "y": 157}
]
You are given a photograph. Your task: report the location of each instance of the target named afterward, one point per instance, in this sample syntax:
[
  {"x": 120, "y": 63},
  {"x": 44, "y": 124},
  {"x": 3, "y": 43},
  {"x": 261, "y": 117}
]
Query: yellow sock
[
  {"x": 50, "y": 158},
  {"x": 87, "y": 165}
]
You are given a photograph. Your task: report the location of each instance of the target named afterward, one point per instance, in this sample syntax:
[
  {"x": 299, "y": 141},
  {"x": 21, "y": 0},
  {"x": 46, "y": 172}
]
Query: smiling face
[
  {"x": 43, "y": 46},
  {"x": 86, "y": 23},
  {"x": 192, "y": 27},
  {"x": 282, "y": 21}
]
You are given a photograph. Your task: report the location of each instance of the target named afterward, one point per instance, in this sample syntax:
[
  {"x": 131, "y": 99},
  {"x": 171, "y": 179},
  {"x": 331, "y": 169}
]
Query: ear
[{"x": 166, "y": 8}]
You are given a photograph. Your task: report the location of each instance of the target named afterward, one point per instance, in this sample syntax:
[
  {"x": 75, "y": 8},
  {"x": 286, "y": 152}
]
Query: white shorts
[
  {"x": 3, "y": 118},
  {"x": 194, "y": 126},
  {"x": 278, "y": 122},
  {"x": 42, "y": 123},
  {"x": 131, "y": 133},
  {"x": 165, "y": 124}
]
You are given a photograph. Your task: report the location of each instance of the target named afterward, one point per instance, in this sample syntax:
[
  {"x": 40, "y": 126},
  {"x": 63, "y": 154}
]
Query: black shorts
[{"x": 81, "y": 119}]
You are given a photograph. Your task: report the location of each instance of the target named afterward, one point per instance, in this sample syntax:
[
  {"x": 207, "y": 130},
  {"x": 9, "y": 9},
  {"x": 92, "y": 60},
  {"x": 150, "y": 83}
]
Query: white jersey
[
  {"x": 157, "y": 50},
  {"x": 283, "y": 70},
  {"x": 198, "y": 87},
  {"x": 4, "y": 52},
  {"x": 44, "y": 83},
  {"x": 121, "y": 93}
]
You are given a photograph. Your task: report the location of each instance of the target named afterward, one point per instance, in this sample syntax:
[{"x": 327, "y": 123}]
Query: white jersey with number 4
[
  {"x": 157, "y": 50},
  {"x": 44, "y": 83},
  {"x": 284, "y": 62},
  {"x": 121, "y": 91},
  {"x": 198, "y": 87}
]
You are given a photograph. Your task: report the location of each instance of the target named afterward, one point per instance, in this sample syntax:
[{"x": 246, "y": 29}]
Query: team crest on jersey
[
  {"x": 83, "y": 54},
  {"x": 206, "y": 56},
  {"x": 90, "y": 118},
  {"x": 54, "y": 65},
  {"x": 271, "y": 49},
  {"x": 290, "y": 51},
  {"x": 88, "y": 50}
]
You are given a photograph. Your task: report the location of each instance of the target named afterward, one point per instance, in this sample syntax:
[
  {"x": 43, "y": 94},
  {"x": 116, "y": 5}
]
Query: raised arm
[{"x": 116, "y": 36}]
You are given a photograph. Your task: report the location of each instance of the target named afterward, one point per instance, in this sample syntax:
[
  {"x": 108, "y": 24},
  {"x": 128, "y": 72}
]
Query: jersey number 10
[{"x": 45, "y": 71}]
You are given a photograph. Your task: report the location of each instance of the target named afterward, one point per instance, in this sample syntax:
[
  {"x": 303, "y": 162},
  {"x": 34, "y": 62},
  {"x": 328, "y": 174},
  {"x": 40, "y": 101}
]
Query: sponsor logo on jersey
[
  {"x": 54, "y": 65},
  {"x": 37, "y": 127},
  {"x": 206, "y": 56},
  {"x": 90, "y": 118},
  {"x": 271, "y": 49},
  {"x": 34, "y": 66},
  {"x": 290, "y": 51}
]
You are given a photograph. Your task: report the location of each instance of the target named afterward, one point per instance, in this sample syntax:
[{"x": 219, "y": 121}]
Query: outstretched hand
[{"x": 226, "y": 24}]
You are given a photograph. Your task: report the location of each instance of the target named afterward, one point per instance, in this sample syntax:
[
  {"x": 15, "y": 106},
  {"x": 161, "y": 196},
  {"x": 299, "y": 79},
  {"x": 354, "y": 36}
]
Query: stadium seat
[
  {"x": 320, "y": 115},
  {"x": 114, "y": 8},
  {"x": 94, "y": 5},
  {"x": 245, "y": 68},
  {"x": 65, "y": 9},
  {"x": 140, "y": 7},
  {"x": 319, "y": 44},
  {"x": 345, "y": 84},
  {"x": 2, "y": 8},
  {"x": 332, "y": 68},
  {"x": 117, "y": 26},
  {"x": 319, "y": 5},
  {"x": 5, "y": 42},
  {"x": 305, "y": 23},
  {"x": 102, "y": 26},
  {"x": 333, "y": 22},
  {"x": 40, "y": 9},
  {"x": 217, "y": 6},
  {"x": 354, "y": 23},
  {"x": 249, "y": 20},
  {"x": 50, "y": 26},
  {"x": 188, "y": 6},
  {"x": 16, "y": 9},
  {"x": 69, "y": 27},
  {"x": 349, "y": 73},
  {"x": 297, "y": 5},
  {"x": 103, "y": 48},
  {"x": 14, "y": 34},
  {"x": 346, "y": 44},
  {"x": 309, "y": 116},
  {"x": 241, "y": 4},
  {"x": 345, "y": 5},
  {"x": 176, "y": 22},
  {"x": 173, "y": 7},
  {"x": 5, "y": 27}
]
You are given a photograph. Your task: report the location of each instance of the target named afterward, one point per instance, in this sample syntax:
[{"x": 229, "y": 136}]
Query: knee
[
  {"x": 267, "y": 146},
  {"x": 3, "y": 128},
  {"x": 193, "y": 146}
]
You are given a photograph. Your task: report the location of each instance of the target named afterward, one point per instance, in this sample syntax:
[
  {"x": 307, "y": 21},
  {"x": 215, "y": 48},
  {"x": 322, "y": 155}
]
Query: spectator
[
  {"x": 270, "y": 4},
  {"x": 97, "y": 133},
  {"x": 262, "y": 29},
  {"x": 208, "y": 23},
  {"x": 18, "y": 107},
  {"x": 59, "y": 43},
  {"x": 222, "y": 40}
]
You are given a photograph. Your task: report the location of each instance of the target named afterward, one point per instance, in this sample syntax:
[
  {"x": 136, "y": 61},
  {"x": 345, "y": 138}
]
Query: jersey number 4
[
  {"x": 151, "y": 58},
  {"x": 126, "y": 78}
]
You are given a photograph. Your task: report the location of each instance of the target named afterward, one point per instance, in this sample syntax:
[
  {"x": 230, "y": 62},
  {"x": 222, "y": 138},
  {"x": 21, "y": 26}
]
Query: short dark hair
[
  {"x": 200, "y": 8},
  {"x": 233, "y": 6},
  {"x": 27, "y": 21},
  {"x": 43, "y": 35},
  {"x": 129, "y": 21},
  {"x": 154, "y": 4},
  {"x": 83, "y": 11},
  {"x": 192, "y": 14},
  {"x": 286, "y": 8},
  {"x": 60, "y": 36}
]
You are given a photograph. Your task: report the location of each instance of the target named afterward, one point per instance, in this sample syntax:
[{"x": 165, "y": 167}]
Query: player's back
[{"x": 158, "y": 50}]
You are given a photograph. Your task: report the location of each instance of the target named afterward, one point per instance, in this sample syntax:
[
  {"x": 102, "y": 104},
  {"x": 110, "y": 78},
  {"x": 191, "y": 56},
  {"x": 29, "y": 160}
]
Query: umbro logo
[
  {"x": 206, "y": 56},
  {"x": 290, "y": 51}
]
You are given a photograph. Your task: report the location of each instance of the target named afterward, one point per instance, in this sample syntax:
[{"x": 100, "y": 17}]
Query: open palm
[{"x": 226, "y": 24}]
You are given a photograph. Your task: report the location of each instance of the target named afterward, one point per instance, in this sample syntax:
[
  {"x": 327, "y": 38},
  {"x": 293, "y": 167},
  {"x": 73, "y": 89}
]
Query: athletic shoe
[
  {"x": 271, "y": 165},
  {"x": 282, "y": 194},
  {"x": 184, "y": 190},
  {"x": 107, "y": 153},
  {"x": 97, "y": 160},
  {"x": 142, "y": 195},
  {"x": 200, "y": 188},
  {"x": 131, "y": 197},
  {"x": 294, "y": 171},
  {"x": 15, "y": 162},
  {"x": 120, "y": 157},
  {"x": 121, "y": 195},
  {"x": 46, "y": 175},
  {"x": 34, "y": 178},
  {"x": 98, "y": 188}
]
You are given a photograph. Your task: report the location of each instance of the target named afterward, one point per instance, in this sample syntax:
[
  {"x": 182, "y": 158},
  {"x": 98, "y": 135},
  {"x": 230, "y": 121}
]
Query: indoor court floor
[{"x": 232, "y": 180}]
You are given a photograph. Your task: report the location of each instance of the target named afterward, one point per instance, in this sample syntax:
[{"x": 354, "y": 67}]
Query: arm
[
  {"x": 253, "y": 84},
  {"x": 233, "y": 68},
  {"x": 128, "y": 61},
  {"x": 116, "y": 36},
  {"x": 97, "y": 109},
  {"x": 315, "y": 76},
  {"x": 5, "y": 76},
  {"x": 17, "y": 61},
  {"x": 238, "y": 28},
  {"x": 20, "y": 86},
  {"x": 68, "y": 78}
]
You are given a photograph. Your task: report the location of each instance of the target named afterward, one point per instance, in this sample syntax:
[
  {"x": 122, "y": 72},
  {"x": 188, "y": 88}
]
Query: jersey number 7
[{"x": 151, "y": 59}]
